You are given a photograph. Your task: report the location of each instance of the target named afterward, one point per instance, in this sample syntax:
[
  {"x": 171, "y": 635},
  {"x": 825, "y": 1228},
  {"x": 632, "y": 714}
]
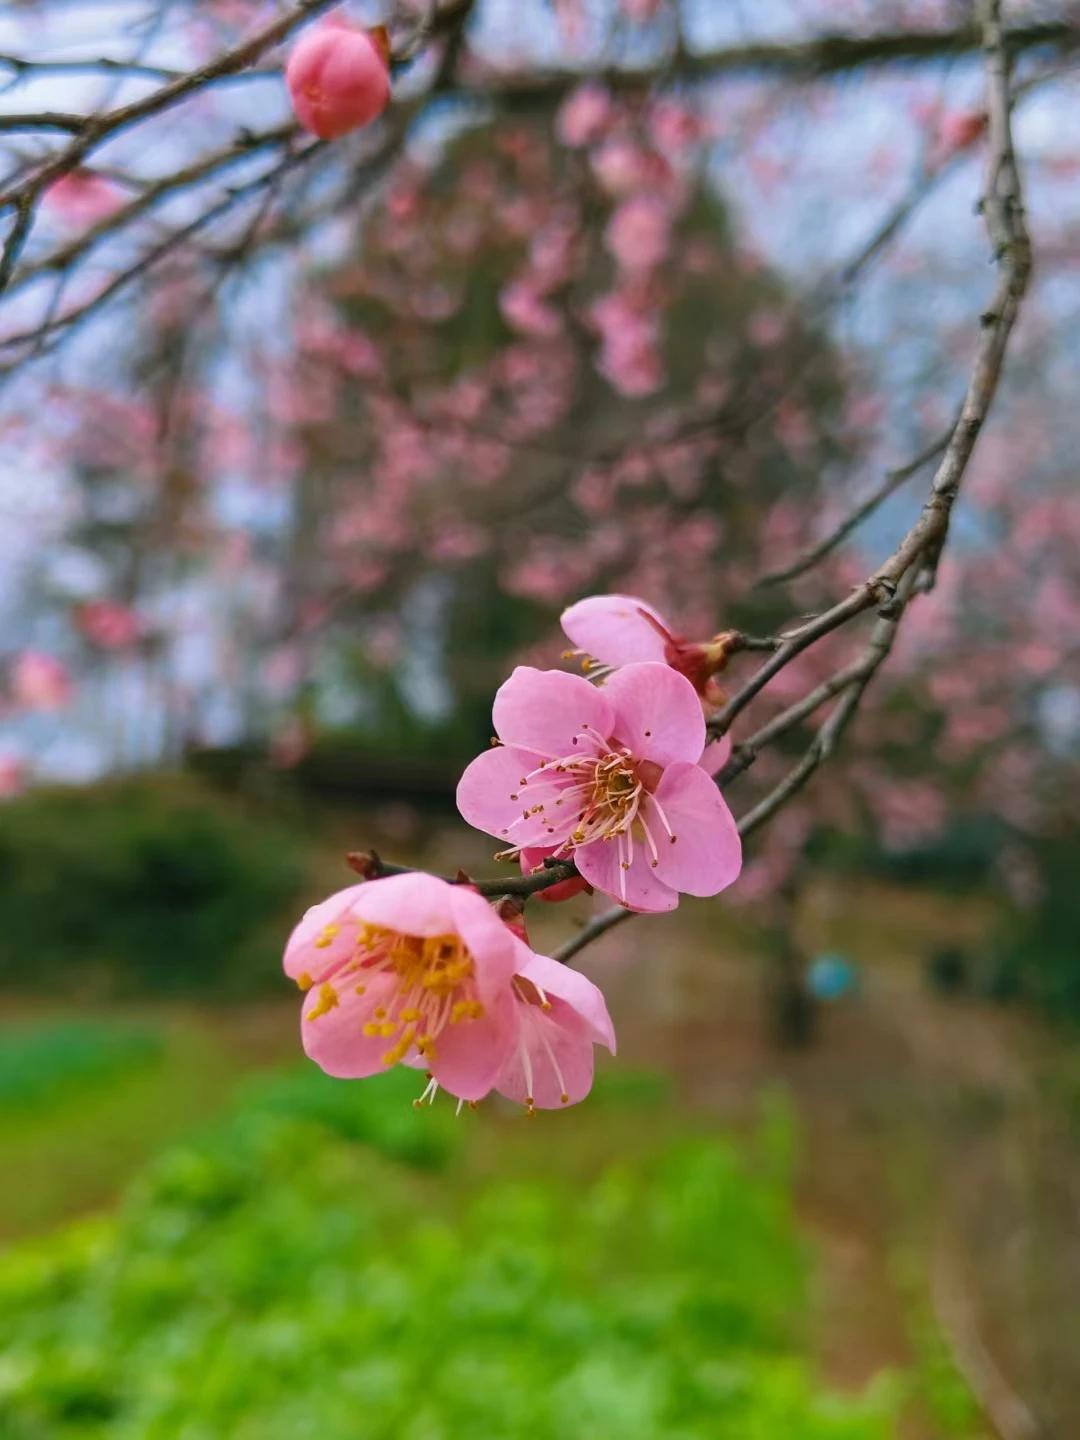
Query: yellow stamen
[{"x": 327, "y": 1001}]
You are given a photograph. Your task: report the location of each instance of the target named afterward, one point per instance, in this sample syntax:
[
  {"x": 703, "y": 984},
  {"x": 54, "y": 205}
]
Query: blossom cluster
[{"x": 611, "y": 775}]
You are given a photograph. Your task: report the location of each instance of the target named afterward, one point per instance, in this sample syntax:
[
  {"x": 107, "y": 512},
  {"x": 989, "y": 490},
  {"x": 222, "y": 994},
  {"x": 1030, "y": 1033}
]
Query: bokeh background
[{"x": 277, "y": 522}]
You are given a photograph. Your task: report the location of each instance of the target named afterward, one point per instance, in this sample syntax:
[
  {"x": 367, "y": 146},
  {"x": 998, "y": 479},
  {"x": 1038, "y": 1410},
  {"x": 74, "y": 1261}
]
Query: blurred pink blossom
[
  {"x": 638, "y": 234},
  {"x": 108, "y": 624},
  {"x": 583, "y": 116},
  {"x": 83, "y": 198},
  {"x": 40, "y": 682}
]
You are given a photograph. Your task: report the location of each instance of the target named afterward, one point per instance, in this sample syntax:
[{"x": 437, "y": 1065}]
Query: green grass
[
  {"x": 39, "y": 1063},
  {"x": 330, "y": 1263},
  {"x": 84, "y": 1104}
]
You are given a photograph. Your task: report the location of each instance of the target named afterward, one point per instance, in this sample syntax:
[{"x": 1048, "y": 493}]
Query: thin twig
[
  {"x": 828, "y": 737},
  {"x": 893, "y": 480},
  {"x": 1003, "y": 210},
  {"x": 602, "y": 923},
  {"x": 371, "y": 866}
]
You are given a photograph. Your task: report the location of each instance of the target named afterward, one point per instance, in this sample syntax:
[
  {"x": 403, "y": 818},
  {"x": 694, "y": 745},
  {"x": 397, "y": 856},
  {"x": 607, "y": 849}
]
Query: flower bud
[{"x": 338, "y": 78}]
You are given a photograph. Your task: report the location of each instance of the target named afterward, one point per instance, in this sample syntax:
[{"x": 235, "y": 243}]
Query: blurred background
[{"x": 621, "y": 295}]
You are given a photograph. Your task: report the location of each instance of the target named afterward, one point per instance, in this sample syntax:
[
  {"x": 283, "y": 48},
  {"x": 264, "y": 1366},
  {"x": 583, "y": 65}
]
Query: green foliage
[
  {"x": 280, "y": 1281},
  {"x": 154, "y": 883},
  {"x": 378, "y": 1113},
  {"x": 41, "y": 1062},
  {"x": 1039, "y": 957}
]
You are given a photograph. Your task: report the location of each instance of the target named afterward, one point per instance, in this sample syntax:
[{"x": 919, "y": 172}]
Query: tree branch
[
  {"x": 897, "y": 581},
  {"x": 892, "y": 482},
  {"x": 1002, "y": 206},
  {"x": 825, "y": 56},
  {"x": 371, "y": 866}
]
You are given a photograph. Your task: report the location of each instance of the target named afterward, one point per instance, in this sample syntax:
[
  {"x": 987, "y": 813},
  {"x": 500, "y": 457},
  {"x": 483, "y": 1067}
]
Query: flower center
[
  {"x": 608, "y": 791},
  {"x": 434, "y": 985}
]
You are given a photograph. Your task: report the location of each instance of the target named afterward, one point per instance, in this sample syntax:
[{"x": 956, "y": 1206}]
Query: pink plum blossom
[
  {"x": 83, "y": 198},
  {"x": 338, "y": 78},
  {"x": 12, "y": 775},
  {"x": 39, "y": 681},
  {"x": 526, "y": 310},
  {"x": 412, "y": 970},
  {"x": 406, "y": 968},
  {"x": 108, "y": 624},
  {"x": 583, "y": 116},
  {"x": 639, "y": 234},
  {"x": 621, "y": 167},
  {"x": 631, "y": 364},
  {"x": 559, "y": 1017},
  {"x": 958, "y": 130},
  {"x": 614, "y": 630},
  {"x": 610, "y": 777}
]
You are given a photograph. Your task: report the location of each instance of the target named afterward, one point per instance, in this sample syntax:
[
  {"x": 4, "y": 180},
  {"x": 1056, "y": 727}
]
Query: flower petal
[
  {"x": 615, "y": 629},
  {"x": 469, "y": 1056},
  {"x": 414, "y": 904},
  {"x": 717, "y": 754},
  {"x": 706, "y": 855},
  {"x": 303, "y": 956},
  {"x": 491, "y": 797},
  {"x": 600, "y": 863},
  {"x": 544, "y": 710},
  {"x": 489, "y": 940},
  {"x": 335, "y": 1037},
  {"x": 657, "y": 713},
  {"x": 552, "y": 1059},
  {"x": 577, "y": 990}
]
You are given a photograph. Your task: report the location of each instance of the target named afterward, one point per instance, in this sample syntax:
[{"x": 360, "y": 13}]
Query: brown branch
[
  {"x": 819, "y": 58},
  {"x": 92, "y": 131},
  {"x": 245, "y": 147},
  {"x": 894, "y": 584},
  {"x": 1003, "y": 209},
  {"x": 41, "y": 333},
  {"x": 596, "y": 927},
  {"x": 16, "y": 238},
  {"x": 97, "y": 129},
  {"x": 371, "y": 866},
  {"x": 828, "y": 737},
  {"x": 892, "y": 482},
  {"x": 21, "y": 68},
  {"x": 744, "y": 754},
  {"x": 44, "y": 120}
]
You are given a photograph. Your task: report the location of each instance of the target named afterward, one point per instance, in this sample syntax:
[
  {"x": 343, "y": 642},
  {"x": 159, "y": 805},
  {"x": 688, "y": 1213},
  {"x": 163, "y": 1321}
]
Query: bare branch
[
  {"x": 892, "y": 482},
  {"x": 244, "y": 147},
  {"x": 44, "y": 120},
  {"x": 828, "y": 737},
  {"x": 16, "y": 238},
  {"x": 596, "y": 927},
  {"x": 825, "y": 56},
  {"x": 744, "y": 754},
  {"x": 371, "y": 865},
  {"x": 894, "y": 584},
  {"x": 1003, "y": 209}
]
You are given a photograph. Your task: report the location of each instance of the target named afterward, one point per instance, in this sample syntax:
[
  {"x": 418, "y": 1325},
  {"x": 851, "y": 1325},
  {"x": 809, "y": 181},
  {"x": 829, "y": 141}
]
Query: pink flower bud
[{"x": 338, "y": 78}]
